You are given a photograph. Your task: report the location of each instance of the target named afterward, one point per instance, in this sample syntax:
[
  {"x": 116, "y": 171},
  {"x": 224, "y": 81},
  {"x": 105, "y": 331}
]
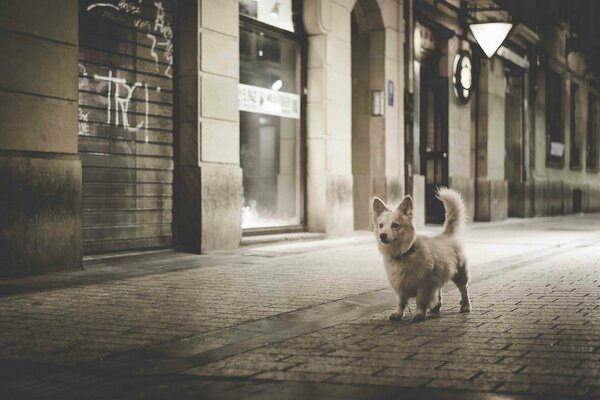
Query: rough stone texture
[
  {"x": 209, "y": 193},
  {"x": 222, "y": 201},
  {"x": 491, "y": 187},
  {"x": 52, "y": 19},
  {"x": 339, "y": 205},
  {"x": 40, "y": 225},
  {"x": 34, "y": 123},
  {"x": 40, "y": 221},
  {"x": 38, "y": 66},
  {"x": 418, "y": 200},
  {"x": 492, "y": 200},
  {"x": 519, "y": 199}
]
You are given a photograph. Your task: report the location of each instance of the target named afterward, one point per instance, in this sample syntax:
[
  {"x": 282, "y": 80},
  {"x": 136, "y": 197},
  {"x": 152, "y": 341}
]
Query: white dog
[{"x": 419, "y": 266}]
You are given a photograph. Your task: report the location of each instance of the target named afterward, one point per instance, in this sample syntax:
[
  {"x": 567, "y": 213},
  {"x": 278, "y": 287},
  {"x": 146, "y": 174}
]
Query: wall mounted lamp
[{"x": 489, "y": 34}]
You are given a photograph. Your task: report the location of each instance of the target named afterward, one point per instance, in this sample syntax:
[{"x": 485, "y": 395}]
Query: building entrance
[
  {"x": 125, "y": 134},
  {"x": 434, "y": 139}
]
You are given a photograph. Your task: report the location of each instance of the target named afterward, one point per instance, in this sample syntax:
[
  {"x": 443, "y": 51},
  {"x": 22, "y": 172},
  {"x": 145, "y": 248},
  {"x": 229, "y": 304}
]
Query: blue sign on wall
[{"x": 390, "y": 89}]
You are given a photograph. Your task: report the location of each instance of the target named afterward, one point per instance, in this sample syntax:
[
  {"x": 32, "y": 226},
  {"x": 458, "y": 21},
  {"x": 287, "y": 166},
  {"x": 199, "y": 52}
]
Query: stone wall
[
  {"x": 40, "y": 172},
  {"x": 209, "y": 192}
]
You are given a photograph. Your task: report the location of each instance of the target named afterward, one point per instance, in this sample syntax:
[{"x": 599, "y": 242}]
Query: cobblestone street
[{"x": 310, "y": 319}]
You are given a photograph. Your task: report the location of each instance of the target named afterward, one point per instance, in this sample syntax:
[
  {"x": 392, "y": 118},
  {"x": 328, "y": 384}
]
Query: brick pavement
[
  {"x": 293, "y": 318},
  {"x": 534, "y": 330}
]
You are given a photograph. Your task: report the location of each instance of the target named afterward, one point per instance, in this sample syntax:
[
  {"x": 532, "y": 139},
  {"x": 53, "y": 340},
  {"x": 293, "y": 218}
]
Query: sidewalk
[{"x": 309, "y": 319}]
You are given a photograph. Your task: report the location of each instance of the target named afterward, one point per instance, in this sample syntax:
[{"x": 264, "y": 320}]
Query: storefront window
[{"x": 269, "y": 101}]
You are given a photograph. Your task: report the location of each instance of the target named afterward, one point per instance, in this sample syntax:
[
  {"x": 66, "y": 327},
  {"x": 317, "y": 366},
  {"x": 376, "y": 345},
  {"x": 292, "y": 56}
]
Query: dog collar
[{"x": 411, "y": 249}]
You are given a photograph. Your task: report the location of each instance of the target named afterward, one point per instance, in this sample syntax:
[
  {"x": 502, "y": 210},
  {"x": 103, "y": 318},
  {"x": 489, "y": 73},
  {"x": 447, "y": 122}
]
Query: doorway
[{"x": 433, "y": 138}]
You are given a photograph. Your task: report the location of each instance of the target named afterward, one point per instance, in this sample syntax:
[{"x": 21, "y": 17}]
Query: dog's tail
[{"x": 455, "y": 210}]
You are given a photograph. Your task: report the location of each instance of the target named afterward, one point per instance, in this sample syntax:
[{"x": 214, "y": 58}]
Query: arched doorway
[{"x": 368, "y": 105}]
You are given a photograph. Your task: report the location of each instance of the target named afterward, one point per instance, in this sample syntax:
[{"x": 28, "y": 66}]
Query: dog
[{"x": 419, "y": 266}]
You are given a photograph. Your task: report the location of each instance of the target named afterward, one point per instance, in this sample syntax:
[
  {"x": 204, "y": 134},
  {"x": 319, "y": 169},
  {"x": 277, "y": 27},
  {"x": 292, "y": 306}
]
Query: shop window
[
  {"x": 592, "y": 134},
  {"x": 554, "y": 128},
  {"x": 575, "y": 161},
  {"x": 270, "y": 116}
]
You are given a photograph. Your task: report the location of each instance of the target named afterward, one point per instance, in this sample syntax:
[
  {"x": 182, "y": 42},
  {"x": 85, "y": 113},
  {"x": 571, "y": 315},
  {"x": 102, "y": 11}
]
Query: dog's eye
[
  {"x": 381, "y": 225},
  {"x": 395, "y": 226}
]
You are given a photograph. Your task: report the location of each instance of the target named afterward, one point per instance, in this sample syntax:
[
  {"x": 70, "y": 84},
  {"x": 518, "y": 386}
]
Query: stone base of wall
[
  {"x": 492, "y": 200},
  {"x": 208, "y": 208},
  {"x": 466, "y": 187},
  {"x": 187, "y": 228},
  {"x": 557, "y": 197},
  {"x": 40, "y": 205},
  {"x": 222, "y": 201},
  {"x": 520, "y": 199},
  {"x": 418, "y": 200},
  {"x": 339, "y": 216}
]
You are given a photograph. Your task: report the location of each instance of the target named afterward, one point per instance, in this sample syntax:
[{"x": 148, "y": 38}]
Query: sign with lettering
[{"x": 266, "y": 101}]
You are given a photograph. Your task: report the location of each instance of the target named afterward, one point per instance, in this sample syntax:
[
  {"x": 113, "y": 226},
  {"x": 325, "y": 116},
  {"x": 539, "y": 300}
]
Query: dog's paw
[
  {"x": 419, "y": 318},
  {"x": 465, "y": 307},
  {"x": 436, "y": 309},
  {"x": 395, "y": 316}
]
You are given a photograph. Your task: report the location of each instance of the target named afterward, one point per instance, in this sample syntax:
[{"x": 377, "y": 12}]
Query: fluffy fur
[{"x": 419, "y": 266}]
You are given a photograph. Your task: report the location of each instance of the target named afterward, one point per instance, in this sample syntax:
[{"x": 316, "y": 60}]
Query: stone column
[
  {"x": 40, "y": 172},
  {"x": 491, "y": 186},
  {"x": 393, "y": 21},
  {"x": 329, "y": 146},
  {"x": 459, "y": 129},
  {"x": 208, "y": 175}
]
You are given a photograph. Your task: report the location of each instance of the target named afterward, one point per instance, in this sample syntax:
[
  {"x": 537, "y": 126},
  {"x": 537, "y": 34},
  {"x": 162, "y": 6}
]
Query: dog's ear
[
  {"x": 406, "y": 206},
  {"x": 378, "y": 206}
]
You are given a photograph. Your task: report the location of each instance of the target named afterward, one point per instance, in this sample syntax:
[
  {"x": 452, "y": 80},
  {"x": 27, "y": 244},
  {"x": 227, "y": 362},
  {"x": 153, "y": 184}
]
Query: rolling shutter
[{"x": 126, "y": 124}]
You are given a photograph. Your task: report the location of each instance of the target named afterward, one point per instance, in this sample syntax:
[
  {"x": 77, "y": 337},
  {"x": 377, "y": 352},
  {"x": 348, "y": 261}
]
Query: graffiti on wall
[
  {"x": 118, "y": 97},
  {"x": 159, "y": 32}
]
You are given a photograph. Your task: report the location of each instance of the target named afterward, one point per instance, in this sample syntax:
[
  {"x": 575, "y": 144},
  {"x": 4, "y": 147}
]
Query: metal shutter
[{"x": 126, "y": 124}]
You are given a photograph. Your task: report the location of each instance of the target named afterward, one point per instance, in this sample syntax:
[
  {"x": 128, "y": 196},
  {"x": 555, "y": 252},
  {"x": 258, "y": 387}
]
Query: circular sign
[{"x": 462, "y": 78}]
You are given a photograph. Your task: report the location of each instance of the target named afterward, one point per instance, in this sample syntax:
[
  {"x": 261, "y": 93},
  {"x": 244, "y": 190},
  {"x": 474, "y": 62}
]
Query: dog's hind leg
[
  {"x": 425, "y": 298},
  {"x": 438, "y": 306},
  {"x": 402, "y": 301},
  {"x": 461, "y": 280}
]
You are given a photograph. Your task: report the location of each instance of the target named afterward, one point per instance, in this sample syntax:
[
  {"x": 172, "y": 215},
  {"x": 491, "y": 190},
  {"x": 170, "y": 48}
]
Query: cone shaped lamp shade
[{"x": 490, "y": 35}]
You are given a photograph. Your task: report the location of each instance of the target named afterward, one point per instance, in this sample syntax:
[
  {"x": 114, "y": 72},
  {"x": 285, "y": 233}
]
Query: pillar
[{"x": 40, "y": 172}]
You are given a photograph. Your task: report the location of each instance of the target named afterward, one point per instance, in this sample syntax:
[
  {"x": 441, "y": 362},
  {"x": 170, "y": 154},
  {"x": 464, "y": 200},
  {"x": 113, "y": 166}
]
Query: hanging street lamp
[
  {"x": 490, "y": 32},
  {"x": 490, "y": 35}
]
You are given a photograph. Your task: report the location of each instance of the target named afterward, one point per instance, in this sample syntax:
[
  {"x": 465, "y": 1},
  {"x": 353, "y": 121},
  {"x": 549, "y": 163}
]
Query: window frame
[
  {"x": 592, "y": 132},
  {"x": 554, "y": 117},
  {"x": 301, "y": 38},
  {"x": 574, "y": 150}
]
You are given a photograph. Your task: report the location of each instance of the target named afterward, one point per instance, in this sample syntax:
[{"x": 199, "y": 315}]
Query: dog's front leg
[
  {"x": 402, "y": 301},
  {"x": 425, "y": 296}
]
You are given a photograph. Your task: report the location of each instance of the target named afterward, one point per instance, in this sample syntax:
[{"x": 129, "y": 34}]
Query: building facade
[{"x": 187, "y": 124}]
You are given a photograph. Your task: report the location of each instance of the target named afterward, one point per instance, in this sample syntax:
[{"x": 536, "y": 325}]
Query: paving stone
[
  {"x": 476, "y": 385},
  {"x": 543, "y": 389},
  {"x": 463, "y": 366},
  {"x": 337, "y": 369},
  {"x": 400, "y": 381},
  {"x": 427, "y": 373},
  {"x": 294, "y": 376}
]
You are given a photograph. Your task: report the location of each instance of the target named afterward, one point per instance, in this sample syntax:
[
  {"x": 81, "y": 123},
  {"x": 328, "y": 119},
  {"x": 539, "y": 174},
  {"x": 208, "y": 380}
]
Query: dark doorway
[
  {"x": 514, "y": 168},
  {"x": 434, "y": 140},
  {"x": 577, "y": 197}
]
